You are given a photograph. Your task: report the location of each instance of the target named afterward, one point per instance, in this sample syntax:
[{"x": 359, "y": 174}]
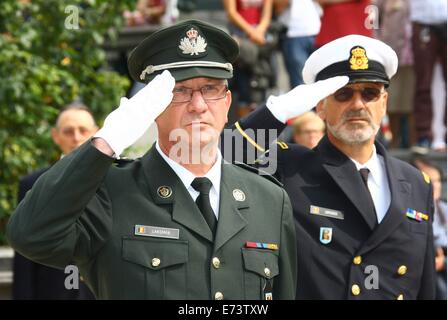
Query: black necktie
[
  {"x": 203, "y": 185},
  {"x": 364, "y": 172}
]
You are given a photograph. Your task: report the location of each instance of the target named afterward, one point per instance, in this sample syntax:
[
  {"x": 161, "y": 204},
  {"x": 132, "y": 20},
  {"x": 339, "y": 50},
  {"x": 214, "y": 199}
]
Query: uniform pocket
[
  {"x": 164, "y": 262},
  {"x": 260, "y": 268},
  {"x": 418, "y": 227}
]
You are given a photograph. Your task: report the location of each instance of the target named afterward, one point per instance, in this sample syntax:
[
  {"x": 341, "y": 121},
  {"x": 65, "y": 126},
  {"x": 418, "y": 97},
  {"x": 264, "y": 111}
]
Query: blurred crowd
[{"x": 275, "y": 32}]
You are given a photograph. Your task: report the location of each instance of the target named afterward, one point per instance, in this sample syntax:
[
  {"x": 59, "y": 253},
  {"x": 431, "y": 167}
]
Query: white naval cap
[{"x": 361, "y": 58}]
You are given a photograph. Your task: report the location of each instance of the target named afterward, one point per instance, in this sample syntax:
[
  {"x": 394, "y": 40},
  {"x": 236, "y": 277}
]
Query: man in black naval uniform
[
  {"x": 178, "y": 223},
  {"x": 363, "y": 218}
]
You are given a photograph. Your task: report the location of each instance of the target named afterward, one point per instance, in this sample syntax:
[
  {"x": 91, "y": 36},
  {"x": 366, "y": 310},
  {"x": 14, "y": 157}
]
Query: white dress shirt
[
  {"x": 188, "y": 177},
  {"x": 378, "y": 184}
]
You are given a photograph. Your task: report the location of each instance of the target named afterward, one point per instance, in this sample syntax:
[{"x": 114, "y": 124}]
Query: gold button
[
  {"x": 355, "y": 289},
  {"x": 267, "y": 272},
  {"x": 216, "y": 263},
  {"x": 155, "y": 262},
  {"x": 218, "y": 296},
  {"x": 402, "y": 270},
  {"x": 357, "y": 260},
  {"x": 400, "y": 297}
]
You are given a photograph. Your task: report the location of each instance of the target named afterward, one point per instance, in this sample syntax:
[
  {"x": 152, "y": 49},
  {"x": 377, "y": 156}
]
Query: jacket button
[
  {"x": 402, "y": 270},
  {"x": 155, "y": 262},
  {"x": 400, "y": 297},
  {"x": 218, "y": 296},
  {"x": 267, "y": 272},
  {"x": 355, "y": 289},
  {"x": 216, "y": 263},
  {"x": 357, "y": 260}
]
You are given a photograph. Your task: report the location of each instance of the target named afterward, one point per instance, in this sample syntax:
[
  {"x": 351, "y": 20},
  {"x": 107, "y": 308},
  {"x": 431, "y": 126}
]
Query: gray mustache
[{"x": 357, "y": 114}]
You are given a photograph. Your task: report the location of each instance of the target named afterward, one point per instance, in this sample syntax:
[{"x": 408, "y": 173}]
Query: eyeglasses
[
  {"x": 209, "y": 93},
  {"x": 369, "y": 94}
]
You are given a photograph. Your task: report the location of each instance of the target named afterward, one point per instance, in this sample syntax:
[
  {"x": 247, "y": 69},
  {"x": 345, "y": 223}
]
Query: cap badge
[
  {"x": 193, "y": 43},
  {"x": 358, "y": 60}
]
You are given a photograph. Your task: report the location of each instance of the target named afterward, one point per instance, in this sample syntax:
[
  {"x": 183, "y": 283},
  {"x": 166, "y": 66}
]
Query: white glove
[
  {"x": 303, "y": 98},
  {"x": 132, "y": 118}
]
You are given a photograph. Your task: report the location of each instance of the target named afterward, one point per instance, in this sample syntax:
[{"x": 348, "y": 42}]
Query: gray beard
[{"x": 353, "y": 136}]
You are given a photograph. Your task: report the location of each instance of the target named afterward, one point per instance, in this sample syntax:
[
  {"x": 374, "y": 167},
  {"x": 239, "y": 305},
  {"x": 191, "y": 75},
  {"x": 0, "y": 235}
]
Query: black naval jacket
[
  {"x": 401, "y": 248},
  {"x": 89, "y": 210}
]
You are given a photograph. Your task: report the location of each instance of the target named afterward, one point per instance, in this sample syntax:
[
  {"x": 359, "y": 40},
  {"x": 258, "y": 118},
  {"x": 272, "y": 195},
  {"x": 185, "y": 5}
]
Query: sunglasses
[{"x": 369, "y": 94}]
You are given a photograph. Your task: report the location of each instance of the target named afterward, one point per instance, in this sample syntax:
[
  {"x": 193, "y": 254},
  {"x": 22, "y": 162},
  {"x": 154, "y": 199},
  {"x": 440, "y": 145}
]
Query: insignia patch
[
  {"x": 325, "y": 212},
  {"x": 157, "y": 232},
  {"x": 358, "y": 60},
  {"x": 164, "y": 192},
  {"x": 193, "y": 43},
  {"x": 325, "y": 235},
  {"x": 238, "y": 195},
  {"x": 416, "y": 215},
  {"x": 261, "y": 245}
]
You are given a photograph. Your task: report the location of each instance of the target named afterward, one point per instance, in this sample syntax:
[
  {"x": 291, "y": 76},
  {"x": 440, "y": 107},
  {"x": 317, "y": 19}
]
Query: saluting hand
[
  {"x": 303, "y": 98},
  {"x": 132, "y": 118}
]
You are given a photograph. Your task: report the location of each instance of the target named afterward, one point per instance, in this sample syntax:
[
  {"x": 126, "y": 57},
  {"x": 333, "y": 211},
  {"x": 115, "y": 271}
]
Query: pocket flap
[
  {"x": 155, "y": 253},
  {"x": 258, "y": 260}
]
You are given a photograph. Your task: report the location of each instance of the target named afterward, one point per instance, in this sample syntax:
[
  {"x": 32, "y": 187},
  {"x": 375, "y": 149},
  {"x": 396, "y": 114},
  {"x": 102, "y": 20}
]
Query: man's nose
[
  {"x": 197, "y": 103},
  {"x": 77, "y": 135},
  {"x": 357, "y": 100}
]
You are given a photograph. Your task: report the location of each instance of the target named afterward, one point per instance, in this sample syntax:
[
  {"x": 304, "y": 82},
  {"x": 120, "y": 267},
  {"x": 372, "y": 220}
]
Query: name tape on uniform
[
  {"x": 325, "y": 212},
  {"x": 158, "y": 232}
]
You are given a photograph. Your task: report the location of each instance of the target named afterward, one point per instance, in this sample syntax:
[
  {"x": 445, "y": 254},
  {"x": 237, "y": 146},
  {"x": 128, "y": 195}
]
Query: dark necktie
[
  {"x": 364, "y": 172},
  {"x": 203, "y": 185}
]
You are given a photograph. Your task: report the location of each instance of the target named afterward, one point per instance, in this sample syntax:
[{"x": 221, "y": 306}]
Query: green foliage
[{"x": 45, "y": 63}]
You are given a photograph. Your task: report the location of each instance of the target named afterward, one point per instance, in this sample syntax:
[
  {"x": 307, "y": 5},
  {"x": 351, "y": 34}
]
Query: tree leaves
[{"x": 46, "y": 63}]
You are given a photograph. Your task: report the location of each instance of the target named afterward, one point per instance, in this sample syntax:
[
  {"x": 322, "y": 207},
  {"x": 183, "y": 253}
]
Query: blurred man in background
[
  {"x": 308, "y": 129},
  {"x": 74, "y": 125}
]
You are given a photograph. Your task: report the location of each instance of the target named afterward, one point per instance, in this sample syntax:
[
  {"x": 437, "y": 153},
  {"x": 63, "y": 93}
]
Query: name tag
[
  {"x": 325, "y": 212},
  {"x": 158, "y": 232}
]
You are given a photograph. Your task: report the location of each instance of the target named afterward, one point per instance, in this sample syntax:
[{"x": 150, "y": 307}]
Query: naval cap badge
[{"x": 358, "y": 60}]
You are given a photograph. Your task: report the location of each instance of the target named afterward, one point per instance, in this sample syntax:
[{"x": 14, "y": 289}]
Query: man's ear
[
  {"x": 228, "y": 100},
  {"x": 55, "y": 135},
  {"x": 385, "y": 103},
  {"x": 321, "y": 109}
]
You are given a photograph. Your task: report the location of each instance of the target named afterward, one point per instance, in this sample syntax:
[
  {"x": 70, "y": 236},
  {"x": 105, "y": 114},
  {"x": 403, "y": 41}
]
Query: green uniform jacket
[{"x": 85, "y": 210}]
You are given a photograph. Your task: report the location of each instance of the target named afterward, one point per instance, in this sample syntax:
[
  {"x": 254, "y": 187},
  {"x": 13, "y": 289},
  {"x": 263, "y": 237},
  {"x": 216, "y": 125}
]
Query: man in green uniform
[{"x": 179, "y": 223}]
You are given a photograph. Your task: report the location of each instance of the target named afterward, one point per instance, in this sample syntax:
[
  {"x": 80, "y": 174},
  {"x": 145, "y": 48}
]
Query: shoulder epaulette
[
  {"x": 282, "y": 145},
  {"x": 121, "y": 162},
  {"x": 426, "y": 177},
  {"x": 259, "y": 172}
]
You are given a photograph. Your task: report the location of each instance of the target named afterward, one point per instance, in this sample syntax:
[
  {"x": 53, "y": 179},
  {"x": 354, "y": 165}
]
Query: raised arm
[{"x": 67, "y": 215}]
